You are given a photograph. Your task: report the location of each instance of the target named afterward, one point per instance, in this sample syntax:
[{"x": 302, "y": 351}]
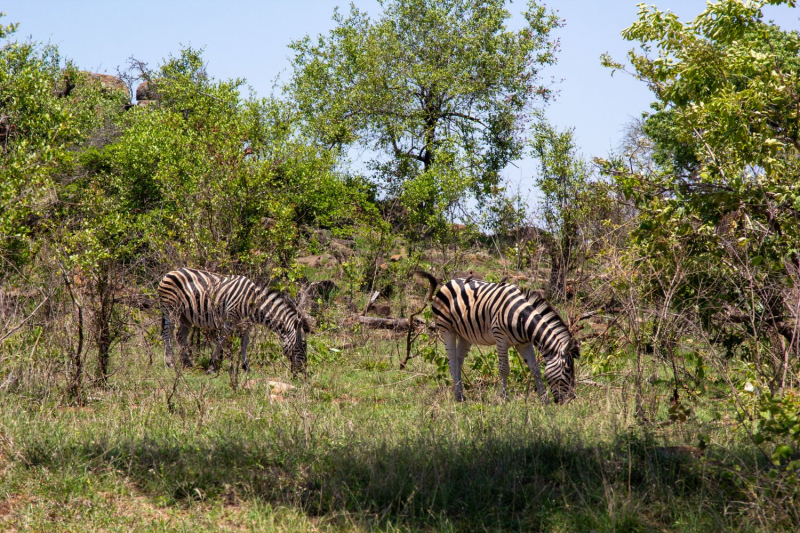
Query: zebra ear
[{"x": 574, "y": 348}]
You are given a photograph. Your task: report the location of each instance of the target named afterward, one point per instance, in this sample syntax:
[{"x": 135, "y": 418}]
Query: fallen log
[{"x": 396, "y": 324}]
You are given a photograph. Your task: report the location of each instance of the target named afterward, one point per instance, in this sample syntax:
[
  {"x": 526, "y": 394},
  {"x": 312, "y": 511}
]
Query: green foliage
[
  {"x": 718, "y": 202},
  {"x": 778, "y": 422},
  {"x": 40, "y": 131},
  {"x": 7, "y": 29},
  {"x": 572, "y": 202},
  {"x": 441, "y": 90},
  {"x": 225, "y": 180}
]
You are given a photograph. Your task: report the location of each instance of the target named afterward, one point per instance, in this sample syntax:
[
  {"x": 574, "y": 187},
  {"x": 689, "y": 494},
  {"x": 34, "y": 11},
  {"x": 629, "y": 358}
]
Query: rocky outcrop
[
  {"x": 109, "y": 83},
  {"x": 146, "y": 93}
]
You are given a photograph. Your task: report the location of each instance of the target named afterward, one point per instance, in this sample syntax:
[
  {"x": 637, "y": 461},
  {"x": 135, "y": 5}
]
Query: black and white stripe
[
  {"x": 226, "y": 305},
  {"x": 471, "y": 312}
]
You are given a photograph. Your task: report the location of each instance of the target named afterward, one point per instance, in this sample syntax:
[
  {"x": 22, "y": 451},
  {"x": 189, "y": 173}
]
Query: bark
[
  {"x": 102, "y": 322},
  {"x": 396, "y": 324},
  {"x": 74, "y": 389}
]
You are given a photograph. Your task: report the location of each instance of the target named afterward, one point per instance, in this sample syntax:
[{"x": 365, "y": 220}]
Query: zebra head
[
  {"x": 293, "y": 338},
  {"x": 276, "y": 311},
  {"x": 560, "y": 372}
]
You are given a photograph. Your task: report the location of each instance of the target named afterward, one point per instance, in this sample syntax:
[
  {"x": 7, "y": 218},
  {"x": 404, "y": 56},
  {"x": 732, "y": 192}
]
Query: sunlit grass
[{"x": 358, "y": 445}]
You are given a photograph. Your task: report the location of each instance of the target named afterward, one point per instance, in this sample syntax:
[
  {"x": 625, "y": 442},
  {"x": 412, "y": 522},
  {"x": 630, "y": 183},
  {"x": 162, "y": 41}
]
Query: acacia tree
[
  {"x": 722, "y": 181},
  {"x": 440, "y": 90}
]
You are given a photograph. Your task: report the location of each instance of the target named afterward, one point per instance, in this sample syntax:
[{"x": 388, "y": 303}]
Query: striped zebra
[
  {"x": 227, "y": 305},
  {"x": 471, "y": 312}
]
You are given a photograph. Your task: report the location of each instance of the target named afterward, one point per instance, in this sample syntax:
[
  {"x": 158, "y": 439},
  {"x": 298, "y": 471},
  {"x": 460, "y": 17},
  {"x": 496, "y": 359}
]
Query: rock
[
  {"x": 321, "y": 289},
  {"x": 382, "y": 310},
  {"x": 279, "y": 387},
  {"x": 323, "y": 236},
  {"x": 315, "y": 261},
  {"x": 109, "y": 83},
  {"x": 340, "y": 249},
  {"x": 146, "y": 91}
]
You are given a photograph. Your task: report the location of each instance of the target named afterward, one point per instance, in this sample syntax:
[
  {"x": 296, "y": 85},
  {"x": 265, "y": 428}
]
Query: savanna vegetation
[{"x": 674, "y": 259}]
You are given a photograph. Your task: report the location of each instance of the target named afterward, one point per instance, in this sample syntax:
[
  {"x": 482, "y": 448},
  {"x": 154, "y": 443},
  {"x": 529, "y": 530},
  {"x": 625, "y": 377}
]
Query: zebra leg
[
  {"x": 462, "y": 350},
  {"x": 214, "y": 364},
  {"x": 527, "y": 353},
  {"x": 502, "y": 355},
  {"x": 450, "y": 340},
  {"x": 166, "y": 334},
  {"x": 183, "y": 341},
  {"x": 245, "y": 340}
]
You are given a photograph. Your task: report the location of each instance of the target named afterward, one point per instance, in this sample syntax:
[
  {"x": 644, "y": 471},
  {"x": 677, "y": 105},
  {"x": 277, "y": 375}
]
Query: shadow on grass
[{"x": 514, "y": 480}]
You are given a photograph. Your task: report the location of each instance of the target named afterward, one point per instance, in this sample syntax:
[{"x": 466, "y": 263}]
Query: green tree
[
  {"x": 41, "y": 131},
  {"x": 441, "y": 91},
  {"x": 7, "y": 29},
  {"x": 570, "y": 199},
  {"x": 226, "y": 180},
  {"x": 721, "y": 185}
]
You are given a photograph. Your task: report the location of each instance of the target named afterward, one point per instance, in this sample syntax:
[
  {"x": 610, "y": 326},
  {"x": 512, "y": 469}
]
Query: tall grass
[{"x": 359, "y": 446}]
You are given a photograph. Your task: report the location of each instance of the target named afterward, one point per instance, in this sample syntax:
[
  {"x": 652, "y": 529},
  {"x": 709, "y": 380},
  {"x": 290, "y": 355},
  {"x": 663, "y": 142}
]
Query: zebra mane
[{"x": 263, "y": 293}]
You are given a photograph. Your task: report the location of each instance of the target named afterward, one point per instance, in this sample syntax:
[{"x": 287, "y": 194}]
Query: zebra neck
[
  {"x": 274, "y": 312},
  {"x": 546, "y": 331}
]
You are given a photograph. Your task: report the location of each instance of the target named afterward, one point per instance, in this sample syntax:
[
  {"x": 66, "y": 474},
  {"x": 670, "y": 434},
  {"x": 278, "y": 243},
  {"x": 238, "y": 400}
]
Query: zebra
[
  {"x": 469, "y": 311},
  {"x": 226, "y": 305}
]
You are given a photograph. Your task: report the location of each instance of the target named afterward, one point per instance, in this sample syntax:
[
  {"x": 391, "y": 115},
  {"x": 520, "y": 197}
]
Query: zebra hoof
[
  {"x": 245, "y": 367},
  {"x": 545, "y": 400}
]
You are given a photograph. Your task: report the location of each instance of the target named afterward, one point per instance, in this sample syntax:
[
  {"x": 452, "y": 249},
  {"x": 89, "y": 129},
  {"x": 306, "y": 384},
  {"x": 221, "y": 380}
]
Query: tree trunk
[
  {"x": 102, "y": 321},
  {"x": 74, "y": 388}
]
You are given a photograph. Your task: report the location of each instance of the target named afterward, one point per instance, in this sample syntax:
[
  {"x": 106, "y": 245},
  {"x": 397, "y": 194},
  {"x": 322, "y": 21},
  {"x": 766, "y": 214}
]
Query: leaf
[{"x": 782, "y": 452}]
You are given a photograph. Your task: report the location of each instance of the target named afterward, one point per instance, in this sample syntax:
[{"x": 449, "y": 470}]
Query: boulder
[
  {"x": 315, "y": 261},
  {"x": 481, "y": 257},
  {"x": 109, "y": 83},
  {"x": 340, "y": 249},
  {"x": 146, "y": 91},
  {"x": 383, "y": 310}
]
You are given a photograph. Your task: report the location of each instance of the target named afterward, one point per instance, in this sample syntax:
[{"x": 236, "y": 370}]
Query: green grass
[{"x": 359, "y": 445}]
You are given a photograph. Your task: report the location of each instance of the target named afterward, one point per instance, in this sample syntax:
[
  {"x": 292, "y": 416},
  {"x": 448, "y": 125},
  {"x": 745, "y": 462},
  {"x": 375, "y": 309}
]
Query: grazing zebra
[
  {"x": 471, "y": 312},
  {"x": 227, "y": 305}
]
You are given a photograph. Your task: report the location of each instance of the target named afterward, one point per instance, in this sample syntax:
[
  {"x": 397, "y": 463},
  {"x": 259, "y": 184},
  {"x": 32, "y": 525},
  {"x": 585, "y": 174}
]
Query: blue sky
[{"x": 248, "y": 39}]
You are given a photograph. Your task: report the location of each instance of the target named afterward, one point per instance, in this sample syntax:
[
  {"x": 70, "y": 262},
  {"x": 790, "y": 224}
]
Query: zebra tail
[
  {"x": 433, "y": 281},
  {"x": 166, "y": 324}
]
